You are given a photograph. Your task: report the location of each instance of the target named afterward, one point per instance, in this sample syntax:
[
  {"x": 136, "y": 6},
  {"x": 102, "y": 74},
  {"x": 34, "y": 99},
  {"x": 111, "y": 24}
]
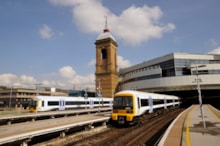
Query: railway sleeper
[
  {"x": 89, "y": 127},
  {"x": 156, "y": 113}
]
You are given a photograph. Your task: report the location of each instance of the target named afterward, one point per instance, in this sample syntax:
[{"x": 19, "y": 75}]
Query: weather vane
[{"x": 106, "y": 22}]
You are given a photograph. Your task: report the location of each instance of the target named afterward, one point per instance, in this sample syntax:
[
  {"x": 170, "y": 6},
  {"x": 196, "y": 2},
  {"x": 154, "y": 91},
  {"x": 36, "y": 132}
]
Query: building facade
[
  {"x": 174, "y": 73},
  {"x": 20, "y": 97},
  {"x": 106, "y": 64}
]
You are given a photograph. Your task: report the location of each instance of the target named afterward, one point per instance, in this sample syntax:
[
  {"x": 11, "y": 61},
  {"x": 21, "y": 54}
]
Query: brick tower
[{"x": 106, "y": 63}]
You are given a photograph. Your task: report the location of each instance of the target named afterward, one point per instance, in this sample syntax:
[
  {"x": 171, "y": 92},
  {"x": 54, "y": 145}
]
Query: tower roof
[{"x": 106, "y": 33}]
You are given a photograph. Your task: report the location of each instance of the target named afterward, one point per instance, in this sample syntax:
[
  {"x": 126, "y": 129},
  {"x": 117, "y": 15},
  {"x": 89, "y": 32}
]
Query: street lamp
[
  {"x": 12, "y": 86},
  {"x": 10, "y": 98},
  {"x": 86, "y": 97},
  {"x": 37, "y": 87},
  {"x": 99, "y": 91},
  {"x": 199, "y": 93}
]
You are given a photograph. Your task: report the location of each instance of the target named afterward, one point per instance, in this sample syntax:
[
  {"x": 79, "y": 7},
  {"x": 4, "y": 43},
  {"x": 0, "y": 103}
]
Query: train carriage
[
  {"x": 51, "y": 103},
  {"x": 129, "y": 105}
]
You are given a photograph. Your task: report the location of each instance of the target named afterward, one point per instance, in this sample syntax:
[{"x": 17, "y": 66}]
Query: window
[
  {"x": 158, "y": 101},
  {"x": 104, "y": 54},
  {"x": 123, "y": 101},
  {"x": 51, "y": 103},
  {"x": 75, "y": 102},
  {"x": 144, "y": 102}
]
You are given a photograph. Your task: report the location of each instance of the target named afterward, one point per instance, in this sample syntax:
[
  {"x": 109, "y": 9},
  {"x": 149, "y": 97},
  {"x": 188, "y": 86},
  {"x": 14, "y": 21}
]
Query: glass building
[{"x": 175, "y": 73}]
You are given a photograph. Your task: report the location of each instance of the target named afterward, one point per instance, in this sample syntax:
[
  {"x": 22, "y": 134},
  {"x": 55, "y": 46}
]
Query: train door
[
  {"x": 62, "y": 104},
  {"x": 150, "y": 101},
  {"x": 110, "y": 103},
  {"x": 42, "y": 105},
  {"x": 91, "y": 103},
  {"x": 139, "y": 105},
  {"x": 165, "y": 103}
]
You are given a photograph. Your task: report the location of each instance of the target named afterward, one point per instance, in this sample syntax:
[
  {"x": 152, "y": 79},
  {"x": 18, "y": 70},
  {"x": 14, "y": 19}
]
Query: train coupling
[{"x": 121, "y": 120}]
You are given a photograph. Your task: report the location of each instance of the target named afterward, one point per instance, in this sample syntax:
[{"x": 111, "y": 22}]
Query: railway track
[{"x": 136, "y": 135}]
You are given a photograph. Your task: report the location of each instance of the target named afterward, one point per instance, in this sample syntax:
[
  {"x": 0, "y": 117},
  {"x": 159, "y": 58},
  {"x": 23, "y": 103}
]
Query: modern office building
[{"x": 175, "y": 73}]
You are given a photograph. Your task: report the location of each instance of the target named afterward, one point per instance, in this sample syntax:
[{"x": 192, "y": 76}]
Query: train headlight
[
  {"x": 115, "y": 111},
  {"x": 129, "y": 111},
  {"x": 129, "y": 118}
]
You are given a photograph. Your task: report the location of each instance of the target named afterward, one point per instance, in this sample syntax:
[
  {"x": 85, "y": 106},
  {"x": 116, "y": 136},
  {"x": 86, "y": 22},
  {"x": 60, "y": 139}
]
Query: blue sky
[{"x": 52, "y": 41}]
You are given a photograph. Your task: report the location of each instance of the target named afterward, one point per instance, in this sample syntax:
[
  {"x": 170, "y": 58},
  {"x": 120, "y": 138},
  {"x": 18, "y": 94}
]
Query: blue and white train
[
  {"x": 129, "y": 105},
  {"x": 51, "y": 103}
]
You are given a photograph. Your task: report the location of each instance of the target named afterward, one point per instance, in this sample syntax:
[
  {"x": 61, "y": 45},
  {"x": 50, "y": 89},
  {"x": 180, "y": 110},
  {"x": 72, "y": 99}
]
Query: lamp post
[
  {"x": 9, "y": 104},
  {"x": 86, "y": 97},
  {"x": 199, "y": 94},
  {"x": 13, "y": 85},
  {"x": 37, "y": 87},
  {"x": 99, "y": 90}
]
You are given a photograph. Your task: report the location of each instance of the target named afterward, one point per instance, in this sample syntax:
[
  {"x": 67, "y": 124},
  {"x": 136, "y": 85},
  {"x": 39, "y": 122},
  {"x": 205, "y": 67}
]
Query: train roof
[
  {"x": 145, "y": 93},
  {"x": 68, "y": 97}
]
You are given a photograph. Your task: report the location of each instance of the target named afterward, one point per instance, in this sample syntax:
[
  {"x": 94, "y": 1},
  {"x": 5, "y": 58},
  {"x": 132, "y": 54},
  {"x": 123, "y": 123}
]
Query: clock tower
[{"x": 106, "y": 64}]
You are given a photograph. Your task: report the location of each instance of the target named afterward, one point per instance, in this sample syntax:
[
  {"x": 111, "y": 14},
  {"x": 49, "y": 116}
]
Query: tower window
[{"x": 104, "y": 54}]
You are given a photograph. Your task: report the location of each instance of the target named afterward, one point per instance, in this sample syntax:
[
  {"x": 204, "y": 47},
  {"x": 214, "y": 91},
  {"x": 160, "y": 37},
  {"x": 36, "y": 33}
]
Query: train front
[
  {"x": 32, "y": 107},
  {"x": 123, "y": 108}
]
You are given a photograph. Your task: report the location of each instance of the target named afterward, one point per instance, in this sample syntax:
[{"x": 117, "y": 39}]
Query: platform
[
  {"x": 189, "y": 129},
  {"x": 26, "y": 131},
  {"x": 9, "y": 119}
]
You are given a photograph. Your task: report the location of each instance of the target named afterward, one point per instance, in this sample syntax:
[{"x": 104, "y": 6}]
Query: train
[
  {"x": 129, "y": 105},
  {"x": 54, "y": 103}
]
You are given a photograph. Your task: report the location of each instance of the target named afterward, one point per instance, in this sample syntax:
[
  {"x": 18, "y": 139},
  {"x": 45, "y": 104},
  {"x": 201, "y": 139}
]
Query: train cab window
[
  {"x": 32, "y": 103},
  {"x": 123, "y": 101},
  {"x": 42, "y": 103}
]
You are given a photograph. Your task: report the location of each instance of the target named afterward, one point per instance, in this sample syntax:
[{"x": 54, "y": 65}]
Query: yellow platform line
[
  {"x": 188, "y": 141},
  {"x": 214, "y": 115}
]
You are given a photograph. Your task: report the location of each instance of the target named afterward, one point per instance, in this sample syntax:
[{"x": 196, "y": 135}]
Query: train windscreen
[
  {"x": 123, "y": 102},
  {"x": 32, "y": 104}
]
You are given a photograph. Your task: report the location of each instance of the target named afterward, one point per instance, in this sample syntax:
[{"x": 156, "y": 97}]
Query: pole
[
  {"x": 200, "y": 98},
  {"x": 86, "y": 97},
  {"x": 99, "y": 93},
  {"x": 10, "y": 99},
  {"x": 37, "y": 88}
]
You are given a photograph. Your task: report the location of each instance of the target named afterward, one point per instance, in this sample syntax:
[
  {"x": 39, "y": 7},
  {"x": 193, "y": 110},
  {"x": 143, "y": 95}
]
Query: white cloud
[
  {"x": 14, "y": 80},
  {"x": 6, "y": 79},
  {"x": 28, "y": 79},
  {"x": 67, "y": 78},
  {"x": 46, "y": 32},
  {"x": 139, "y": 24},
  {"x": 134, "y": 25},
  {"x": 215, "y": 51},
  {"x": 64, "y": 78},
  {"x": 123, "y": 63},
  {"x": 67, "y": 72}
]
